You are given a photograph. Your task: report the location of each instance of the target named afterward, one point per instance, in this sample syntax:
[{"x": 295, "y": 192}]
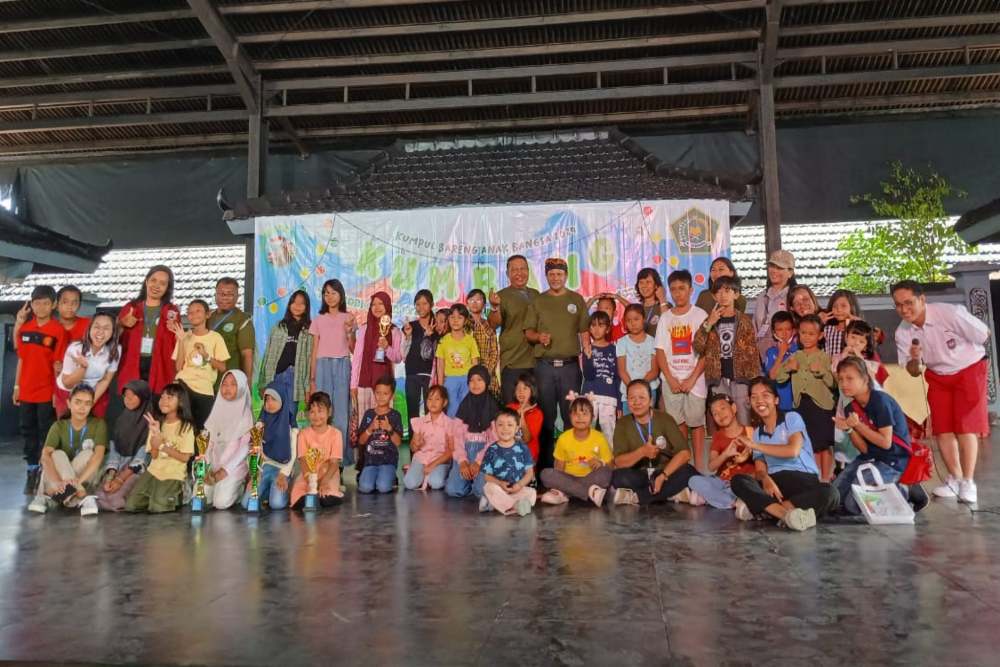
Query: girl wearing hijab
[
  {"x": 476, "y": 414},
  {"x": 365, "y": 369},
  {"x": 128, "y": 457},
  {"x": 228, "y": 427},
  {"x": 280, "y": 431}
]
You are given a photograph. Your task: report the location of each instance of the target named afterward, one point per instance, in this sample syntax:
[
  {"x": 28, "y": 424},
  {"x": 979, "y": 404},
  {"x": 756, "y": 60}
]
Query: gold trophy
[
  {"x": 312, "y": 480},
  {"x": 253, "y": 462},
  {"x": 200, "y": 469},
  {"x": 384, "y": 327}
]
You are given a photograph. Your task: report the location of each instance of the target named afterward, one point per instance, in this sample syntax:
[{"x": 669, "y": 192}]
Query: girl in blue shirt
[{"x": 785, "y": 484}]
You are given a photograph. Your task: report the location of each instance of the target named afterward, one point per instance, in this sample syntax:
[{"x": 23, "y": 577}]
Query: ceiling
[{"x": 97, "y": 77}]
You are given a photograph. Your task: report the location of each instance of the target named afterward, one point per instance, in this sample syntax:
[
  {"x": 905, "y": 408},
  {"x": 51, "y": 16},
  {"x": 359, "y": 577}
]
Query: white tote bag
[{"x": 881, "y": 503}]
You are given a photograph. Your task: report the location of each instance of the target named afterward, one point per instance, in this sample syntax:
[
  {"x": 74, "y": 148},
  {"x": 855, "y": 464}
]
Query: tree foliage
[{"x": 913, "y": 245}]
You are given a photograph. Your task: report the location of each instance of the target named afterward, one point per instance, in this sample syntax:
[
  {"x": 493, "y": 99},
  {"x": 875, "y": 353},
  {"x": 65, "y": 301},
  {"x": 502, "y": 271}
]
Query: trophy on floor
[
  {"x": 200, "y": 469},
  {"x": 312, "y": 479},
  {"x": 253, "y": 463},
  {"x": 384, "y": 327}
]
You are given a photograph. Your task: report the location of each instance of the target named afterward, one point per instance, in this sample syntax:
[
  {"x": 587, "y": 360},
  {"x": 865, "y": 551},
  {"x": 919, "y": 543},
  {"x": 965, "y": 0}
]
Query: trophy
[
  {"x": 200, "y": 469},
  {"x": 312, "y": 465},
  {"x": 253, "y": 462},
  {"x": 384, "y": 327}
]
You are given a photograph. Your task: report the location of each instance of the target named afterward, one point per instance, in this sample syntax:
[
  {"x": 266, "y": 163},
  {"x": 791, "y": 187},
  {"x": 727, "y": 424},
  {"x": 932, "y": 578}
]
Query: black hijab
[
  {"x": 131, "y": 428},
  {"x": 478, "y": 411}
]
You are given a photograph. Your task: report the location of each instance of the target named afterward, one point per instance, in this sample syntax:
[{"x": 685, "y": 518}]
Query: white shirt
[
  {"x": 97, "y": 365},
  {"x": 951, "y": 340},
  {"x": 675, "y": 336}
]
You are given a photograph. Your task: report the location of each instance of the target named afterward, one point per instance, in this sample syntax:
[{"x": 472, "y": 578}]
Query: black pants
[
  {"x": 508, "y": 382},
  {"x": 324, "y": 501},
  {"x": 201, "y": 407},
  {"x": 638, "y": 480},
  {"x": 801, "y": 489},
  {"x": 35, "y": 421},
  {"x": 553, "y": 385},
  {"x": 416, "y": 394}
]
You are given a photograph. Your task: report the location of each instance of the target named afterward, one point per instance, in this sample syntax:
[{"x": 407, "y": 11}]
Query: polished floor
[{"x": 415, "y": 579}]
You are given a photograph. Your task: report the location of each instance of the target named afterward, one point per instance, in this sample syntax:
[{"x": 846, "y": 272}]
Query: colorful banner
[{"x": 453, "y": 250}]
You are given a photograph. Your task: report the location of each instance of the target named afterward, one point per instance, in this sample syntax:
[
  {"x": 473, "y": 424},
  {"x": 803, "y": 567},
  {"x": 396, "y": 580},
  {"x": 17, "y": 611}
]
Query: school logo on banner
[{"x": 694, "y": 231}]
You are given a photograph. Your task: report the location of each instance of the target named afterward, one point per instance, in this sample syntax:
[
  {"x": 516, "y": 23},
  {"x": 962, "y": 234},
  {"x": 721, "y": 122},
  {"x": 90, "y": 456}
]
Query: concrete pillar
[{"x": 973, "y": 281}]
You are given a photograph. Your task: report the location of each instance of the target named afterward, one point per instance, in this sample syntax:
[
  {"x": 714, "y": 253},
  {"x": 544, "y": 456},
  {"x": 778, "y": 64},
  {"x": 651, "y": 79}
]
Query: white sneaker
[
  {"x": 484, "y": 504},
  {"x": 683, "y": 497},
  {"x": 967, "y": 491},
  {"x": 696, "y": 498},
  {"x": 523, "y": 507},
  {"x": 554, "y": 497},
  {"x": 596, "y": 494},
  {"x": 89, "y": 506},
  {"x": 626, "y": 497},
  {"x": 743, "y": 512},
  {"x": 949, "y": 489},
  {"x": 799, "y": 519},
  {"x": 38, "y": 505}
]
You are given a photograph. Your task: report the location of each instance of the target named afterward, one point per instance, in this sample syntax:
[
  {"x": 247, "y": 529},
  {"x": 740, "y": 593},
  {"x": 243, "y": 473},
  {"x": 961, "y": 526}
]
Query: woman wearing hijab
[
  {"x": 228, "y": 427},
  {"x": 475, "y": 433},
  {"x": 366, "y": 367},
  {"x": 280, "y": 431},
  {"x": 128, "y": 457}
]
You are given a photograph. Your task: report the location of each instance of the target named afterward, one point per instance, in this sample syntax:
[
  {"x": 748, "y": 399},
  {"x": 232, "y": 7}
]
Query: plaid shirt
[
  {"x": 834, "y": 340},
  {"x": 489, "y": 351},
  {"x": 303, "y": 359}
]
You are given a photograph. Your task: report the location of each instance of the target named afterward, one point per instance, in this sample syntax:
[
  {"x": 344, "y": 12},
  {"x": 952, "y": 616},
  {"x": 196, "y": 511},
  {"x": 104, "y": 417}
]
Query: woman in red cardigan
[
  {"x": 530, "y": 415},
  {"x": 147, "y": 342}
]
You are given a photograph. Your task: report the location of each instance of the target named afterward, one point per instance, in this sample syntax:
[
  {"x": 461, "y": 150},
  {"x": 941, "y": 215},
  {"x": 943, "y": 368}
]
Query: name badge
[{"x": 147, "y": 346}]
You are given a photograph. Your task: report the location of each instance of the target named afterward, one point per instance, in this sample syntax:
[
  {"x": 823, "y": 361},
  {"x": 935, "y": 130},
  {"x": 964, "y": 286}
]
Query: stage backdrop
[{"x": 453, "y": 250}]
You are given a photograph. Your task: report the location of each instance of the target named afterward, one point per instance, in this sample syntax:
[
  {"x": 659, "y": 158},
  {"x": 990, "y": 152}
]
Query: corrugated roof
[{"x": 120, "y": 275}]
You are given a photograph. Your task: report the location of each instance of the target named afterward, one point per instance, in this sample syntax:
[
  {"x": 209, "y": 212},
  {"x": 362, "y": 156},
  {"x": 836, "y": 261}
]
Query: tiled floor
[{"x": 424, "y": 580}]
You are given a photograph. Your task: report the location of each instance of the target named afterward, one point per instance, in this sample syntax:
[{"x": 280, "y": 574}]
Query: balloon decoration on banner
[{"x": 281, "y": 251}]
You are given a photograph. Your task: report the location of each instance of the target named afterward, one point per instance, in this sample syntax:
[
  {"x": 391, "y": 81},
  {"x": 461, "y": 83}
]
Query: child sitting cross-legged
[
  {"x": 508, "y": 469},
  {"x": 728, "y": 458},
  {"x": 582, "y": 460}
]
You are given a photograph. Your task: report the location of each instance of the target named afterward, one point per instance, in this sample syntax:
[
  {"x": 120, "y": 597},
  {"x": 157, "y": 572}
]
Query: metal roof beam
[
  {"x": 119, "y": 75},
  {"x": 500, "y": 24},
  {"x": 94, "y": 20},
  {"x": 85, "y": 122},
  {"x": 509, "y": 52},
  {"x": 104, "y": 50},
  {"x": 945, "y": 21}
]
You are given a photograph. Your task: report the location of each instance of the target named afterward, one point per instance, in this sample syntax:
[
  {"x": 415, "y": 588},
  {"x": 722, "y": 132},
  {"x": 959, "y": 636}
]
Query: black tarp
[{"x": 170, "y": 201}]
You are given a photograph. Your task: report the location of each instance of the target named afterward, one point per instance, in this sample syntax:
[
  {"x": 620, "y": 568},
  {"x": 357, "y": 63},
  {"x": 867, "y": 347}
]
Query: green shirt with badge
[
  {"x": 63, "y": 437},
  {"x": 515, "y": 350},
  {"x": 564, "y": 316},
  {"x": 630, "y": 435},
  {"x": 236, "y": 329}
]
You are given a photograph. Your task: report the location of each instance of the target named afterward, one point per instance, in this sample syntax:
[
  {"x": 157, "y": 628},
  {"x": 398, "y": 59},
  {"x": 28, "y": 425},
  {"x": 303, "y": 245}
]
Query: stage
[{"x": 426, "y": 580}]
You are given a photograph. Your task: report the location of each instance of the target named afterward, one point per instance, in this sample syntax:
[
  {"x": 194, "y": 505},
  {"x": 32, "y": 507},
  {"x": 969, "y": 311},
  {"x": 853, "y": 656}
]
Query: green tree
[{"x": 911, "y": 247}]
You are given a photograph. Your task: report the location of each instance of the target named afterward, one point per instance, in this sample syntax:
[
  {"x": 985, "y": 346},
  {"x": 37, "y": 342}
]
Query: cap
[
  {"x": 556, "y": 263},
  {"x": 782, "y": 259}
]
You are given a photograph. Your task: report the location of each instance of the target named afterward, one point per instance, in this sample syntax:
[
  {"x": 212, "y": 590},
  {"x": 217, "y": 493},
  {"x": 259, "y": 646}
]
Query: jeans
[
  {"x": 849, "y": 476},
  {"x": 333, "y": 376},
  {"x": 35, "y": 421},
  {"x": 377, "y": 477},
  {"x": 715, "y": 491},
  {"x": 458, "y": 387},
  {"x": 414, "y": 477},
  {"x": 508, "y": 382},
  {"x": 416, "y": 394},
  {"x": 459, "y": 487},
  {"x": 268, "y": 490},
  {"x": 638, "y": 480},
  {"x": 802, "y": 489},
  {"x": 553, "y": 385}
]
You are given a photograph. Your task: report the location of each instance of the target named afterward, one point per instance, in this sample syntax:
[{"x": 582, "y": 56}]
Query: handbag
[
  {"x": 920, "y": 467},
  {"x": 880, "y": 503}
]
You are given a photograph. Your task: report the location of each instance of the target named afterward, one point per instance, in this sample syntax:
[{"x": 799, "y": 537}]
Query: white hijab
[{"x": 231, "y": 420}]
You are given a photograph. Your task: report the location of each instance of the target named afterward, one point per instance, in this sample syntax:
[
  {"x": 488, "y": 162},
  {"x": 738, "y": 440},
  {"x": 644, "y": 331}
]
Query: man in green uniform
[
  {"x": 509, "y": 307},
  {"x": 235, "y": 327}
]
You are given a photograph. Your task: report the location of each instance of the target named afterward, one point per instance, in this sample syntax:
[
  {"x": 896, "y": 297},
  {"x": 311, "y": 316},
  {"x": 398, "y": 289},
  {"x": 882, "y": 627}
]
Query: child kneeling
[
  {"x": 329, "y": 445},
  {"x": 170, "y": 444},
  {"x": 508, "y": 469}
]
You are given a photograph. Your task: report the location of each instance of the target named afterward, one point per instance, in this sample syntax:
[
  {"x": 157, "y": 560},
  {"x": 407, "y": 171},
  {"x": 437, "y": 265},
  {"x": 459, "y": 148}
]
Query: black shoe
[
  {"x": 31, "y": 483},
  {"x": 918, "y": 497}
]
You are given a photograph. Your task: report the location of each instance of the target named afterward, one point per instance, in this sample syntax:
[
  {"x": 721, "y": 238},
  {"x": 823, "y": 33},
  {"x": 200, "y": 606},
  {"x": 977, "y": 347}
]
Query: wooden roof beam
[{"x": 91, "y": 20}]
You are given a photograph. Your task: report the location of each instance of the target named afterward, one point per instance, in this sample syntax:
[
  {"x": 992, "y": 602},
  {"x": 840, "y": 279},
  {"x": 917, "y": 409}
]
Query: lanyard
[
  {"x": 83, "y": 436},
  {"x": 220, "y": 322},
  {"x": 649, "y": 434}
]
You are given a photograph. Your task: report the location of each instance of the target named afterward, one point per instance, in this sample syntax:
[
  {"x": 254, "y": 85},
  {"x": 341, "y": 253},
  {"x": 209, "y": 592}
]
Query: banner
[{"x": 453, "y": 250}]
